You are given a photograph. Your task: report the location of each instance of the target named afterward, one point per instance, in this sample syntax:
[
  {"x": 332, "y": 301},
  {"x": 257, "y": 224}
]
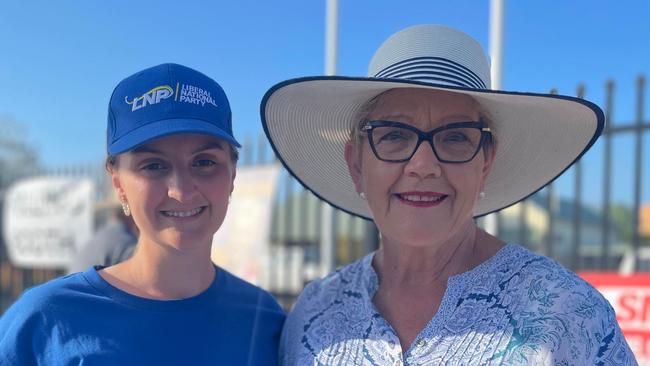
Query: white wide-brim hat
[{"x": 308, "y": 120}]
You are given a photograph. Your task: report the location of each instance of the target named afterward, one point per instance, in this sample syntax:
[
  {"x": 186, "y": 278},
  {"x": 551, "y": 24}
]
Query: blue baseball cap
[{"x": 165, "y": 100}]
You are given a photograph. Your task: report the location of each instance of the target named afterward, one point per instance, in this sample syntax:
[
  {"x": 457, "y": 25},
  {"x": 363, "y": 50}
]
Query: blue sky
[{"x": 59, "y": 60}]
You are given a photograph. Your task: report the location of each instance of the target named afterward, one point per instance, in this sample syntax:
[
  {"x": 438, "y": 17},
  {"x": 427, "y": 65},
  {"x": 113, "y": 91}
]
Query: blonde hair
[{"x": 361, "y": 117}]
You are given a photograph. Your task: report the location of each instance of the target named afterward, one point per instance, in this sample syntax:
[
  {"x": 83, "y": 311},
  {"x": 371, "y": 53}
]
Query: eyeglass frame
[{"x": 486, "y": 135}]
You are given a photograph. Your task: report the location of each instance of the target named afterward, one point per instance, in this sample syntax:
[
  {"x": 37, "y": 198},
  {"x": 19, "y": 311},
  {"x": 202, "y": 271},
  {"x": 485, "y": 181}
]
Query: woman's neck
[
  {"x": 404, "y": 265},
  {"x": 157, "y": 272}
]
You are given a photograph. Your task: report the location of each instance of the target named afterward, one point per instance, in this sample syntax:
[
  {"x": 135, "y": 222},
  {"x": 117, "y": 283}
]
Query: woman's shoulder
[
  {"x": 537, "y": 270},
  {"x": 534, "y": 295},
  {"x": 351, "y": 278},
  {"x": 341, "y": 297},
  {"x": 43, "y": 294},
  {"x": 40, "y": 304},
  {"x": 242, "y": 293},
  {"x": 344, "y": 288},
  {"x": 540, "y": 285}
]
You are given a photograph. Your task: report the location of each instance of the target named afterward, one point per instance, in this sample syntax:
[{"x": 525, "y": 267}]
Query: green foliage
[{"x": 621, "y": 218}]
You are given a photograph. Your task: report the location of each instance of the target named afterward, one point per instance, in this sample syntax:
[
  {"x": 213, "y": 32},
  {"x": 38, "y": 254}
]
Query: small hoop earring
[
  {"x": 126, "y": 208},
  {"x": 481, "y": 194},
  {"x": 362, "y": 195}
]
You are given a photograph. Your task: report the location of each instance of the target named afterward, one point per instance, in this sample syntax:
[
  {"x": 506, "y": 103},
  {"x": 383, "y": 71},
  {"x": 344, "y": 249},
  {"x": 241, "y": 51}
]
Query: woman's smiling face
[
  {"x": 422, "y": 200},
  {"x": 177, "y": 188}
]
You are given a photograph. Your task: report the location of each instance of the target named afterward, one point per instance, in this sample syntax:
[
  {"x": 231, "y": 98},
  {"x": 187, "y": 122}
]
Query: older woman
[
  {"x": 172, "y": 160},
  {"x": 422, "y": 147}
]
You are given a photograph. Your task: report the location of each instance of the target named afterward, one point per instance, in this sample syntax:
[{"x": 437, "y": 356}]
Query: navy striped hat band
[{"x": 433, "y": 70}]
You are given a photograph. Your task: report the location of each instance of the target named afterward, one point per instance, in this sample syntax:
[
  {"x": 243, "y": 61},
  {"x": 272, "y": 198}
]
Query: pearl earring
[
  {"x": 126, "y": 208},
  {"x": 362, "y": 195},
  {"x": 481, "y": 194}
]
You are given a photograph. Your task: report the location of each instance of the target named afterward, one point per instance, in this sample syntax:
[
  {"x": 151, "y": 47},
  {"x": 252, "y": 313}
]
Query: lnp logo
[{"x": 153, "y": 96}]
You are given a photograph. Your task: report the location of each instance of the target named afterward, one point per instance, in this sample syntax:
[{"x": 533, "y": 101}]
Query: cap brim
[
  {"x": 308, "y": 121},
  {"x": 167, "y": 127}
]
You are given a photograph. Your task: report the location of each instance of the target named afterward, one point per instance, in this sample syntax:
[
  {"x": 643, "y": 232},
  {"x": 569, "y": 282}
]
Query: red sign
[{"x": 630, "y": 298}]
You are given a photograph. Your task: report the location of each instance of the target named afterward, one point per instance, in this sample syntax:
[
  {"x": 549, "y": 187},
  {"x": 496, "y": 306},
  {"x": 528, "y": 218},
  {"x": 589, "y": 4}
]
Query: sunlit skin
[
  {"x": 423, "y": 244},
  {"x": 177, "y": 188}
]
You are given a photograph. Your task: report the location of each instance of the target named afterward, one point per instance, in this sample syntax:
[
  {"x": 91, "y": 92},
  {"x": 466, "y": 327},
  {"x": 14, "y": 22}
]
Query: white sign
[
  {"x": 241, "y": 245},
  {"x": 46, "y": 219}
]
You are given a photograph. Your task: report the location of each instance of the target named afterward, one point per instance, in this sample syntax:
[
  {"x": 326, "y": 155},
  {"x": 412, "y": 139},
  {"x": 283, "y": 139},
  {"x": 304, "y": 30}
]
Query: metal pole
[
  {"x": 496, "y": 41},
  {"x": 331, "y": 37},
  {"x": 636, "y": 238},
  {"x": 496, "y": 53},
  {"x": 327, "y": 233}
]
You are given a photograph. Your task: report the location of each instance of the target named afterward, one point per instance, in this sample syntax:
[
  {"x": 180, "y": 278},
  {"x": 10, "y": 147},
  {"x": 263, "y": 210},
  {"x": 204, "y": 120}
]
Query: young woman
[{"x": 172, "y": 160}]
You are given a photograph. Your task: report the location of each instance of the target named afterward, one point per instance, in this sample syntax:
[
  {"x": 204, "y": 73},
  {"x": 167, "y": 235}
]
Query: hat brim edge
[
  {"x": 599, "y": 117},
  {"x": 150, "y": 132}
]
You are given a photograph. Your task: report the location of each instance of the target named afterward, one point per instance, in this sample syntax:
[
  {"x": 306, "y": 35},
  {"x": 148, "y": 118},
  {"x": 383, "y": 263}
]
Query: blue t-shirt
[{"x": 81, "y": 319}]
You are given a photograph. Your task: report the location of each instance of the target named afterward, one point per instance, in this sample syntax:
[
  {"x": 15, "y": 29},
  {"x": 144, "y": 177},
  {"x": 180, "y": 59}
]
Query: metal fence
[
  {"x": 595, "y": 233},
  {"x": 581, "y": 233}
]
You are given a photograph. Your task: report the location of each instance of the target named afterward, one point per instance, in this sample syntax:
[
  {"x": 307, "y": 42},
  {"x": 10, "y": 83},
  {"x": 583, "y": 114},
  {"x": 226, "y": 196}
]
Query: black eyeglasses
[{"x": 454, "y": 143}]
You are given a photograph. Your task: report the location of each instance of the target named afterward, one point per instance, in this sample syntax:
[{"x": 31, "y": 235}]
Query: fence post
[
  {"x": 261, "y": 149},
  {"x": 577, "y": 205},
  {"x": 636, "y": 239},
  {"x": 523, "y": 223},
  {"x": 248, "y": 151},
  {"x": 550, "y": 203},
  {"x": 607, "y": 173}
]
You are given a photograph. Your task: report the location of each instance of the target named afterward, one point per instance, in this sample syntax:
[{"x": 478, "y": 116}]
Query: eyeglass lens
[{"x": 453, "y": 144}]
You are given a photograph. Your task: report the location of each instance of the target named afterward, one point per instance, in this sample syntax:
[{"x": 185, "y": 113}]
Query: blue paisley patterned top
[{"x": 517, "y": 308}]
